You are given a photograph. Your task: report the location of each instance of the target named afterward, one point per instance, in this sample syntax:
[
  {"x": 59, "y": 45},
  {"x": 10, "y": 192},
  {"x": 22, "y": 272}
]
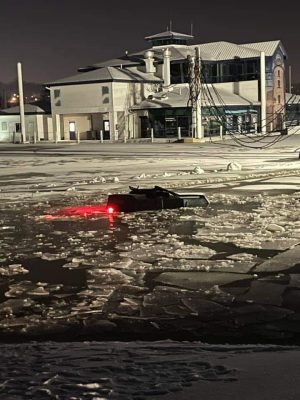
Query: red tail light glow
[{"x": 110, "y": 210}]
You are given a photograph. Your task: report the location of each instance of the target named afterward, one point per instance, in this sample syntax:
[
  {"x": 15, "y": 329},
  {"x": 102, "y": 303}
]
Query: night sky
[{"x": 53, "y": 38}]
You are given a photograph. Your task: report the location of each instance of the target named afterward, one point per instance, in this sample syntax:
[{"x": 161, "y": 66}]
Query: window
[
  {"x": 4, "y": 126},
  {"x": 278, "y": 74},
  {"x": 105, "y": 94},
  {"x": 279, "y": 98},
  {"x": 105, "y": 90},
  {"x": 278, "y": 83},
  {"x": 56, "y": 93}
]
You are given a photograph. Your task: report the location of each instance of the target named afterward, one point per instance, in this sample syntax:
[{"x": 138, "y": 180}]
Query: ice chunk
[
  {"x": 275, "y": 228},
  {"x": 200, "y": 280},
  {"x": 198, "y": 171},
  {"x": 283, "y": 261},
  {"x": 234, "y": 166}
]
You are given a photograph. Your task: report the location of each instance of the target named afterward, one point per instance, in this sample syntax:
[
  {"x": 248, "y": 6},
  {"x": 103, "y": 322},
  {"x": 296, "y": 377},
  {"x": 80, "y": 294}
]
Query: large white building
[{"x": 242, "y": 84}]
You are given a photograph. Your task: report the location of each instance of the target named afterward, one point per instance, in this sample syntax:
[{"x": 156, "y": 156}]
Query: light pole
[{"x": 21, "y": 102}]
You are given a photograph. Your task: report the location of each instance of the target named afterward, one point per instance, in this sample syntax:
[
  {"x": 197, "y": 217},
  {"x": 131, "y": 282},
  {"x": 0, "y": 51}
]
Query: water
[{"x": 72, "y": 274}]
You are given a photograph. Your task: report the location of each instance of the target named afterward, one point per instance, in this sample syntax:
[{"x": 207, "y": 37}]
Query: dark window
[
  {"x": 176, "y": 73},
  {"x": 105, "y": 90},
  {"x": 56, "y": 93}
]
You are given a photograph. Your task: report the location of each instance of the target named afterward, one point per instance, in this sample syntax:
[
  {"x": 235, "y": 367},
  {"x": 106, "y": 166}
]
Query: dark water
[{"x": 65, "y": 275}]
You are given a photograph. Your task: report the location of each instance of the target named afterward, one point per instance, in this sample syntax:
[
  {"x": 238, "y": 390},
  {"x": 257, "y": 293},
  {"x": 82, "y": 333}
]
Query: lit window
[{"x": 4, "y": 126}]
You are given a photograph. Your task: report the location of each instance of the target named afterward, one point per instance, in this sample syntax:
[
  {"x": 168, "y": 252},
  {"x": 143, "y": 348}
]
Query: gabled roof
[
  {"x": 268, "y": 47},
  {"x": 28, "y": 109},
  {"x": 126, "y": 61},
  {"x": 108, "y": 74},
  {"x": 169, "y": 34}
]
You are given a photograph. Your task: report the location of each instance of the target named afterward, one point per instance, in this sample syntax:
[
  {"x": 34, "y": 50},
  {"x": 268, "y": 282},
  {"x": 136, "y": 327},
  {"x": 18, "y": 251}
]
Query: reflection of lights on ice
[{"x": 78, "y": 212}]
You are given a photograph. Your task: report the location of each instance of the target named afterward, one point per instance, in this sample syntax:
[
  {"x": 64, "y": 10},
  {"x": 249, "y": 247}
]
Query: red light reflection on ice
[{"x": 87, "y": 211}]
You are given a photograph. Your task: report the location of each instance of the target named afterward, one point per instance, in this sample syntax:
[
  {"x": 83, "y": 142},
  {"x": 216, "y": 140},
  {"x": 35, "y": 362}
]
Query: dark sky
[{"x": 54, "y": 37}]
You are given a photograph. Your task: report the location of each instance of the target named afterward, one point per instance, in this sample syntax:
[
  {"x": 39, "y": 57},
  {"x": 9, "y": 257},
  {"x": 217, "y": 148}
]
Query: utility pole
[
  {"x": 192, "y": 93},
  {"x": 21, "y": 102},
  {"x": 195, "y": 93},
  {"x": 199, "y": 134},
  {"x": 263, "y": 92}
]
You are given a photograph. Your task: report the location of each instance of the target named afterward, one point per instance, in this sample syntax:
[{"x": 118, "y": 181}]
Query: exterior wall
[
  {"x": 82, "y": 122},
  {"x": 81, "y": 99},
  {"x": 49, "y": 130},
  {"x": 275, "y": 90},
  {"x": 35, "y": 124},
  {"x": 247, "y": 89},
  {"x": 125, "y": 95}
]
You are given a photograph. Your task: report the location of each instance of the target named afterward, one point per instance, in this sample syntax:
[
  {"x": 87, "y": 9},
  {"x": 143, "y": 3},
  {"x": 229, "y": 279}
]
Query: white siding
[{"x": 85, "y": 98}]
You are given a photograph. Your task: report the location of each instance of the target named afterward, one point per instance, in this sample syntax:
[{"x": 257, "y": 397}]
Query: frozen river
[{"x": 73, "y": 274}]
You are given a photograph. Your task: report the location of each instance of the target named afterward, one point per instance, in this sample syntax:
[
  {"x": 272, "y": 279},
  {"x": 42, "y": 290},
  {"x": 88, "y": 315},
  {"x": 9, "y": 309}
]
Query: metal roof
[
  {"x": 292, "y": 99},
  {"x": 215, "y": 51},
  {"x": 28, "y": 109},
  {"x": 108, "y": 74},
  {"x": 169, "y": 34},
  {"x": 179, "y": 97},
  {"x": 221, "y": 51},
  {"x": 268, "y": 47}
]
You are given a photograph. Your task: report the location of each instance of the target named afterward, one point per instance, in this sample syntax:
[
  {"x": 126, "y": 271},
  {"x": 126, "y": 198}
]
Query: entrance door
[
  {"x": 145, "y": 127},
  {"x": 106, "y": 129},
  {"x": 170, "y": 126},
  {"x": 72, "y": 130}
]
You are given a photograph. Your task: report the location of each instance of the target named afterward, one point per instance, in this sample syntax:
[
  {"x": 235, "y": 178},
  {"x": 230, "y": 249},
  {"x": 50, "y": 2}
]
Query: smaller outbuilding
[{"x": 38, "y": 124}]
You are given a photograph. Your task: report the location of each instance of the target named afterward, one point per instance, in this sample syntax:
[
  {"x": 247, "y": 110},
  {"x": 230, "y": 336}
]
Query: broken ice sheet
[
  {"x": 13, "y": 269},
  {"x": 109, "y": 275},
  {"x": 205, "y": 265},
  {"x": 52, "y": 257},
  {"x": 243, "y": 257},
  {"x": 153, "y": 252}
]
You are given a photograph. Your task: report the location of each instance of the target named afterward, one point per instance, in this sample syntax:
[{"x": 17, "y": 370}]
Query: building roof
[
  {"x": 214, "y": 51},
  {"x": 107, "y": 74},
  {"x": 179, "y": 97},
  {"x": 125, "y": 61},
  {"x": 169, "y": 34},
  {"x": 219, "y": 51},
  {"x": 268, "y": 47},
  {"x": 292, "y": 99},
  {"x": 28, "y": 109}
]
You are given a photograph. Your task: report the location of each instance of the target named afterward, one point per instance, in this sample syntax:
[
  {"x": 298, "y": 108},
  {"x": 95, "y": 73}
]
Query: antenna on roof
[
  {"x": 170, "y": 24},
  {"x": 191, "y": 28}
]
